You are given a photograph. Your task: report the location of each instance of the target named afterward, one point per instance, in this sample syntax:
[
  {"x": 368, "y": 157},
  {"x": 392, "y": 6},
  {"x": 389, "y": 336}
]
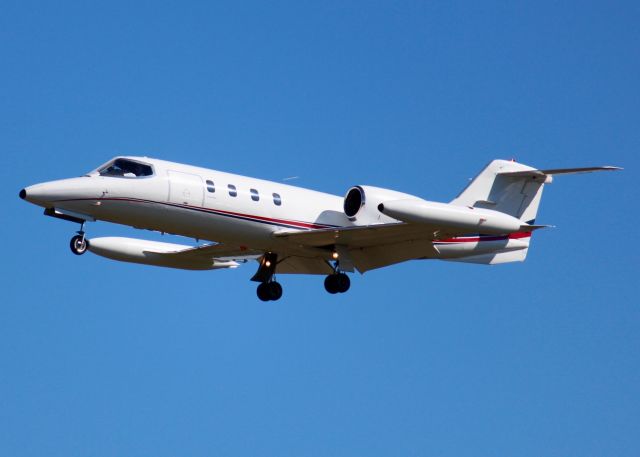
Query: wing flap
[
  {"x": 303, "y": 265},
  {"x": 366, "y": 236},
  {"x": 374, "y": 246},
  {"x": 373, "y": 257}
]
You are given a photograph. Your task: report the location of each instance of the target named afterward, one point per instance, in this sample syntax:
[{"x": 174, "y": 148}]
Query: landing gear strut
[{"x": 79, "y": 243}]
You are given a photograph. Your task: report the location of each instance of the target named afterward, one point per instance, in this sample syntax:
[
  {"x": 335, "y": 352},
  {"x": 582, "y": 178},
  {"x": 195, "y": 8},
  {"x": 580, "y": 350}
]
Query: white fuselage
[
  {"x": 241, "y": 211},
  {"x": 196, "y": 202},
  {"x": 291, "y": 230}
]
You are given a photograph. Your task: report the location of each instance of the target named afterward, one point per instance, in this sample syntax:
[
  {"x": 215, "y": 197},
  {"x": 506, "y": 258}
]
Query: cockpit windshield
[{"x": 126, "y": 168}]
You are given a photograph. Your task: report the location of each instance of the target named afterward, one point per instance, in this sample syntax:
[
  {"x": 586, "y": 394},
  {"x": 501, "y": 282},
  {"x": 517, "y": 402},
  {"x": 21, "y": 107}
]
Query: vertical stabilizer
[
  {"x": 505, "y": 186},
  {"x": 514, "y": 189}
]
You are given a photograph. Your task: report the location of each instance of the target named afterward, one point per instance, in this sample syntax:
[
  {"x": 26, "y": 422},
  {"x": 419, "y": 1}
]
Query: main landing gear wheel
[
  {"x": 269, "y": 291},
  {"x": 79, "y": 244},
  {"x": 337, "y": 283}
]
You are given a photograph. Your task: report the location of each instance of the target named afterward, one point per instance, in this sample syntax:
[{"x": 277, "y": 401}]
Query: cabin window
[
  {"x": 232, "y": 190},
  {"x": 254, "y": 195},
  {"x": 126, "y": 168},
  {"x": 277, "y": 200},
  {"x": 210, "y": 186}
]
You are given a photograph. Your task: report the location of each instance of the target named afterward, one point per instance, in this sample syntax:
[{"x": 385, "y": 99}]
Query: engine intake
[
  {"x": 361, "y": 204},
  {"x": 354, "y": 201}
]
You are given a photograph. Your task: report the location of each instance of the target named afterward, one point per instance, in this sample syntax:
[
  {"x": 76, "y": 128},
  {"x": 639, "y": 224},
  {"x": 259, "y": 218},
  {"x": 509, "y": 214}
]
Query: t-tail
[{"x": 515, "y": 189}]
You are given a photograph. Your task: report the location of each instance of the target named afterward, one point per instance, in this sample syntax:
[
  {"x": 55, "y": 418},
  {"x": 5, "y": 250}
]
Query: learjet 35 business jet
[{"x": 289, "y": 229}]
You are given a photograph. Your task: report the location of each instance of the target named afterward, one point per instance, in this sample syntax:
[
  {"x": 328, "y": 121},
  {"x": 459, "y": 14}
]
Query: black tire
[
  {"x": 275, "y": 290},
  {"x": 330, "y": 284},
  {"x": 79, "y": 245},
  {"x": 342, "y": 283},
  {"x": 263, "y": 292}
]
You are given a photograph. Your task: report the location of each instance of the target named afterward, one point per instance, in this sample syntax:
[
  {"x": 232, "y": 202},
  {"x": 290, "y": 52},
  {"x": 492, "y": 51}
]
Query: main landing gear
[
  {"x": 337, "y": 283},
  {"x": 269, "y": 291},
  {"x": 79, "y": 244}
]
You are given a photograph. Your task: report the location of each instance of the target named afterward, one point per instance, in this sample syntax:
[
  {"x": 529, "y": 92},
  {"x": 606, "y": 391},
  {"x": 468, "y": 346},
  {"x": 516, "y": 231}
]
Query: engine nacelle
[
  {"x": 365, "y": 205},
  {"x": 361, "y": 204}
]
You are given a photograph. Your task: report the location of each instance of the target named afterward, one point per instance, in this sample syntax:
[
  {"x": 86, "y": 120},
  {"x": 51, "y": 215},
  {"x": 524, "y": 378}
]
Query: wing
[
  {"x": 372, "y": 246},
  {"x": 296, "y": 264},
  {"x": 360, "y": 236},
  {"x": 209, "y": 252}
]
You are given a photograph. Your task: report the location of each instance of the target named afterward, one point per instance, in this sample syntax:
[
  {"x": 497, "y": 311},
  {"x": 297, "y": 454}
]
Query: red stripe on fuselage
[{"x": 298, "y": 224}]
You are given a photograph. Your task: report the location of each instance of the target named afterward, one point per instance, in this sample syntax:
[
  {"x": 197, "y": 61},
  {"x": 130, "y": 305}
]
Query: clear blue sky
[{"x": 420, "y": 359}]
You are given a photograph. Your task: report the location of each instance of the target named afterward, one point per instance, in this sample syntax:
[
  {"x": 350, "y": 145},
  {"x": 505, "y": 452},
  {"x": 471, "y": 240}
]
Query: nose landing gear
[{"x": 79, "y": 244}]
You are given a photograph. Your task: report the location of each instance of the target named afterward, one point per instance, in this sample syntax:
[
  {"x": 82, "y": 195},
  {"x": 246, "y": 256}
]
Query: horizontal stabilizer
[
  {"x": 557, "y": 171},
  {"x": 531, "y": 227}
]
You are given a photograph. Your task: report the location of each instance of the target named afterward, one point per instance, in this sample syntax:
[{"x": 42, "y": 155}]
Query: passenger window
[
  {"x": 277, "y": 200},
  {"x": 254, "y": 195},
  {"x": 232, "y": 190},
  {"x": 210, "y": 186}
]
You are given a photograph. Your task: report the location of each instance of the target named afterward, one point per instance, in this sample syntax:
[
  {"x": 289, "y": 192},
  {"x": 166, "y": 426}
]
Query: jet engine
[
  {"x": 361, "y": 204},
  {"x": 365, "y": 205}
]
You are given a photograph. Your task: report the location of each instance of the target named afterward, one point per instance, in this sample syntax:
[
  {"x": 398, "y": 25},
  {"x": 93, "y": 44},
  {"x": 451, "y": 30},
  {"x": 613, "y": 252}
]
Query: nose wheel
[
  {"x": 337, "y": 283},
  {"x": 79, "y": 244},
  {"x": 269, "y": 291}
]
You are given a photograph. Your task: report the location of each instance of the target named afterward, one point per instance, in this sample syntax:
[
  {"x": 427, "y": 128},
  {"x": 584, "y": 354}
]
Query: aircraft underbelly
[{"x": 202, "y": 223}]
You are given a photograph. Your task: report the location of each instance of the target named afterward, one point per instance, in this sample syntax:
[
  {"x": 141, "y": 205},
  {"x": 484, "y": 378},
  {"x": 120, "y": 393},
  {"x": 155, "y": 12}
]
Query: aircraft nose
[
  {"x": 46, "y": 193},
  {"x": 54, "y": 192},
  {"x": 38, "y": 193}
]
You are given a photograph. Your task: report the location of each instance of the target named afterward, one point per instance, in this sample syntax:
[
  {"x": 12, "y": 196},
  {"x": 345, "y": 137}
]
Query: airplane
[{"x": 292, "y": 230}]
